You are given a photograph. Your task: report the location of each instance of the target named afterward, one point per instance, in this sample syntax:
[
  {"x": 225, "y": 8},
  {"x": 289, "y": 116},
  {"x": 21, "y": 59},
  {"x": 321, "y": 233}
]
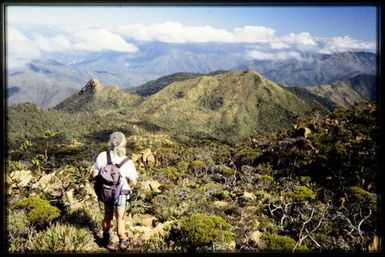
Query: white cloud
[
  {"x": 260, "y": 55},
  {"x": 97, "y": 39},
  {"x": 254, "y": 34},
  {"x": 174, "y": 32},
  {"x": 340, "y": 44},
  {"x": 264, "y": 43},
  {"x": 20, "y": 49},
  {"x": 52, "y": 44},
  {"x": 304, "y": 39},
  {"x": 278, "y": 45}
]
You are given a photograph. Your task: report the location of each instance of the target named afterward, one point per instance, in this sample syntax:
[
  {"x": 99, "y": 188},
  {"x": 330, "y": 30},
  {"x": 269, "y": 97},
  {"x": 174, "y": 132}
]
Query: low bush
[
  {"x": 39, "y": 211},
  {"x": 276, "y": 242},
  {"x": 18, "y": 228},
  {"x": 301, "y": 193},
  {"x": 201, "y": 230},
  {"x": 61, "y": 238}
]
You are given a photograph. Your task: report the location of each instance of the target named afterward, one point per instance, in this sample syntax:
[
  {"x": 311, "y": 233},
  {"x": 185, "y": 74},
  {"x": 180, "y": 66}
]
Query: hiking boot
[
  {"x": 123, "y": 244},
  {"x": 106, "y": 238}
]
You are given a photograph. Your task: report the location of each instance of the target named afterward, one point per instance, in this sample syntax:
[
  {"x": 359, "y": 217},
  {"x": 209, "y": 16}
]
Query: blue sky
[
  {"x": 358, "y": 22},
  {"x": 270, "y": 32}
]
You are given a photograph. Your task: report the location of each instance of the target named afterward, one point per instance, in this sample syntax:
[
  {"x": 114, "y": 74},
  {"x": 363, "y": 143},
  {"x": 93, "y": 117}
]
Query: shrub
[
  {"x": 226, "y": 170},
  {"x": 276, "y": 242},
  {"x": 197, "y": 163},
  {"x": 18, "y": 230},
  {"x": 17, "y": 223},
  {"x": 182, "y": 166},
  {"x": 306, "y": 180},
  {"x": 204, "y": 230},
  {"x": 198, "y": 167},
  {"x": 221, "y": 195},
  {"x": 362, "y": 198},
  {"x": 265, "y": 178},
  {"x": 264, "y": 169},
  {"x": 301, "y": 193},
  {"x": 61, "y": 238},
  {"x": 246, "y": 155},
  {"x": 167, "y": 206},
  {"x": 16, "y": 165},
  {"x": 172, "y": 173},
  {"x": 39, "y": 211}
]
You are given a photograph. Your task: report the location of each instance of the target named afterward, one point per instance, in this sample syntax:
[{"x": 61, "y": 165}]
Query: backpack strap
[
  {"x": 109, "y": 157},
  {"x": 123, "y": 162}
]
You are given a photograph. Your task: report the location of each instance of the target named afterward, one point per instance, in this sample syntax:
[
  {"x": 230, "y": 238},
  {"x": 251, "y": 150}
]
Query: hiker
[{"x": 117, "y": 155}]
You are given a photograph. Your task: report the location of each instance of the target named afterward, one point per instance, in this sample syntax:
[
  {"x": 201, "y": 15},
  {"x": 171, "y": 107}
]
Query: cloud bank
[{"x": 264, "y": 41}]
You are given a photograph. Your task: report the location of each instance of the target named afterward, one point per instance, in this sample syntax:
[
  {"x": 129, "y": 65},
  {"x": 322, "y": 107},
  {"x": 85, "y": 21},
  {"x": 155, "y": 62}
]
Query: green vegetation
[
  {"x": 270, "y": 191},
  {"x": 61, "y": 238},
  {"x": 155, "y": 86},
  {"x": 39, "y": 211},
  {"x": 204, "y": 230},
  {"x": 301, "y": 193},
  {"x": 347, "y": 92},
  {"x": 280, "y": 243}
]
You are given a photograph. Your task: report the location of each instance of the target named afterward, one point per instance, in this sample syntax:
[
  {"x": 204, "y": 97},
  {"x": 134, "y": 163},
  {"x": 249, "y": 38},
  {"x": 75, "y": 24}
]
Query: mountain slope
[
  {"x": 95, "y": 97},
  {"x": 155, "y": 86},
  {"x": 229, "y": 107},
  {"x": 348, "y": 91},
  {"x": 315, "y": 69},
  {"x": 33, "y": 83},
  {"x": 48, "y": 82},
  {"x": 225, "y": 106}
]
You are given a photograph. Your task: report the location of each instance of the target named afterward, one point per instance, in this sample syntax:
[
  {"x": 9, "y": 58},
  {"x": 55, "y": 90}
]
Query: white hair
[{"x": 118, "y": 143}]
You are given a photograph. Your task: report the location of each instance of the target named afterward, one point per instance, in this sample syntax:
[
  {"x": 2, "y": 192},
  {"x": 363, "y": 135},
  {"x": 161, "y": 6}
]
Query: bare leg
[
  {"x": 120, "y": 222},
  {"x": 108, "y": 214}
]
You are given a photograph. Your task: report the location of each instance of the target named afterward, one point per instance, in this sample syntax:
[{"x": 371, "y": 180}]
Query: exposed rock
[
  {"x": 68, "y": 197},
  {"x": 148, "y": 158},
  {"x": 91, "y": 87},
  {"x": 49, "y": 184},
  {"x": 375, "y": 245},
  {"x": 140, "y": 229},
  {"x": 90, "y": 192},
  {"x": 142, "y": 219},
  {"x": 151, "y": 186},
  {"x": 157, "y": 232},
  {"x": 249, "y": 196},
  {"x": 136, "y": 157},
  {"x": 247, "y": 169},
  {"x": 75, "y": 142},
  {"x": 20, "y": 178},
  {"x": 144, "y": 159},
  {"x": 256, "y": 241},
  {"x": 302, "y": 132},
  {"x": 231, "y": 246},
  {"x": 220, "y": 204}
]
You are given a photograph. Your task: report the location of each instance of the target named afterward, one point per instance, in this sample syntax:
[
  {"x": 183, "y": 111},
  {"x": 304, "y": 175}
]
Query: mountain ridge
[
  {"x": 347, "y": 92},
  {"x": 228, "y": 107},
  {"x": 129, "y": 70}
]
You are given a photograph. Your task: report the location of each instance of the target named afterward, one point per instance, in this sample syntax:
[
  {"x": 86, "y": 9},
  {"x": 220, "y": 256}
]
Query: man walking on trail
[{"x": 117, "y": 155}]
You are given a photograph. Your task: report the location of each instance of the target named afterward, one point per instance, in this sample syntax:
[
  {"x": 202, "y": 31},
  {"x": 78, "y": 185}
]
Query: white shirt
[{"x": 128, "y": 169}]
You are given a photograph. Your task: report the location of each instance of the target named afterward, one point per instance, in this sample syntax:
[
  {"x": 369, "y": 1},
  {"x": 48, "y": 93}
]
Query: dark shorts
[{"x": 121, "y": 202}]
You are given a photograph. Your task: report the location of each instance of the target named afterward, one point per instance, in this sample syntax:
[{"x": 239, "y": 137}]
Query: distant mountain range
[
  {"x": 49, "y": 81},
  {"x": 315, "y": 69}
]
